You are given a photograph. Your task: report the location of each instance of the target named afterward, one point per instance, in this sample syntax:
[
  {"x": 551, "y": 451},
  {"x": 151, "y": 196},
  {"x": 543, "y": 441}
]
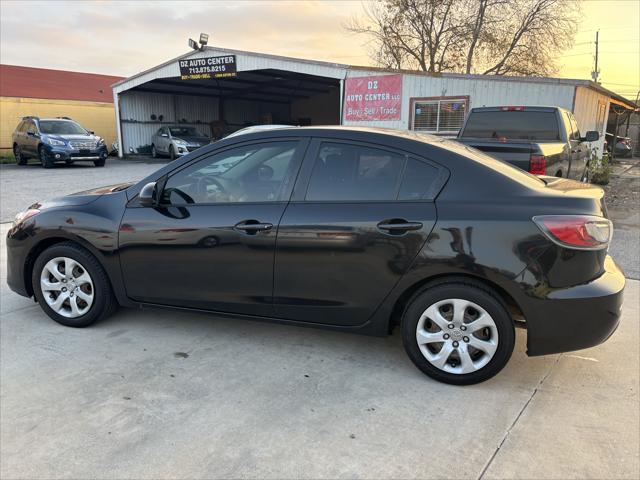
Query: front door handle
[
  {"x": 252, "y": 227},
  {"x": 399, "y": 226}
]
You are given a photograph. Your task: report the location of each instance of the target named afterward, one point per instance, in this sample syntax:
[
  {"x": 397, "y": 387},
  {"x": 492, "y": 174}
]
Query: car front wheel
[
  {"x": 44, "y": 158},
  {"x": 71, "y": 286},
  {"x": 458, "y": 333}
]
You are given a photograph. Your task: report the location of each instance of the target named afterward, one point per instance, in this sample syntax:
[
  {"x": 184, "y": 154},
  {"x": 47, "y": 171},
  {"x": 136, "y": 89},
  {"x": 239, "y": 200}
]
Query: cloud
[{"x": 127, "y": 37}]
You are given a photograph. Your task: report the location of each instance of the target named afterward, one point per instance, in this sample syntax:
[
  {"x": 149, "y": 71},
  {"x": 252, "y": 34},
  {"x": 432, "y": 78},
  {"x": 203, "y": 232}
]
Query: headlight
[
  {"x": 22, "y": 216},
  {"x": 179, "y": 141},
  {"x": 100, "y": 142},
  {"x": 53, "y": 141}
]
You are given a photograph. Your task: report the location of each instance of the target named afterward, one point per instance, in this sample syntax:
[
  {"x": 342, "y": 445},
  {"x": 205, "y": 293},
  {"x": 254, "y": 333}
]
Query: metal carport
[{"x": 266, "y": 89}]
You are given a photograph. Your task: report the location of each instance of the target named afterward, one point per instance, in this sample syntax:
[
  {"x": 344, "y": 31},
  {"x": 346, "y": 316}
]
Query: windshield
[
  {"x": 184, "y": 132},
  {"x": 512, "y": 125},
  {"x": 61, "y": 127}
]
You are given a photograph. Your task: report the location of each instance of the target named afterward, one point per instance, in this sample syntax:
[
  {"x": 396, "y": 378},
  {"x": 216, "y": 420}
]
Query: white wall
[
  {"x": 139, "y": 106},
  {"x": 586, "y": 112},
  {"x": 482, "y": 92}
]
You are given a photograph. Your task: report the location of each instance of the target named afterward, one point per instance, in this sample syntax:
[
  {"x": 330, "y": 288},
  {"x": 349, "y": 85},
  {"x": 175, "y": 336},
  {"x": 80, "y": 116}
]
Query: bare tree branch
[{"x": 497, "y": 37}]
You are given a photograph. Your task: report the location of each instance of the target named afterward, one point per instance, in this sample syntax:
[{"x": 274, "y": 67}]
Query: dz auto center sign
[
  {"x": 208, "y": 67},
  {"x": 373, "y": 98}
]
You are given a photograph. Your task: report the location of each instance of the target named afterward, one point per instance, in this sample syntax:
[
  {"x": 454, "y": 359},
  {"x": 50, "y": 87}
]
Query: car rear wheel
[
  {"x": 458, "y": 333},
  {"x": 44, "y": 158},
  {"x": 71, "y": 286},
  {"x": 19, "y": 156}
]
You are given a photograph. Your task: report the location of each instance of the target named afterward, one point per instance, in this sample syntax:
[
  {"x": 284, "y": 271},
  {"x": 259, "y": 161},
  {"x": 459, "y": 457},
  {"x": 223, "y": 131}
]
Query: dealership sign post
[
  {"x": 208, "y": 67},
  {"x": 373, "y": 98}
]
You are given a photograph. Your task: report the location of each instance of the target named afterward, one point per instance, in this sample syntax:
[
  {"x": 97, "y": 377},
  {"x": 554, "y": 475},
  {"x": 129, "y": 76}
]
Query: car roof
[
  {"x": 527, "y": 108},
  {"x": 346, "y": 132}
]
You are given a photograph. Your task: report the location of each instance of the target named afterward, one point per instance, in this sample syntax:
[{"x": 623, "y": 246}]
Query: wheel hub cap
[
  {"x": 67, "y": 287},
  {"x": 457, "y": 336}
]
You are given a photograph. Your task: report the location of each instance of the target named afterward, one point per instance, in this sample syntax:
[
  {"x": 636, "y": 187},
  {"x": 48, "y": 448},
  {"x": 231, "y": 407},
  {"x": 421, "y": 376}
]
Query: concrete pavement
[{"x": 159, "y": 394}]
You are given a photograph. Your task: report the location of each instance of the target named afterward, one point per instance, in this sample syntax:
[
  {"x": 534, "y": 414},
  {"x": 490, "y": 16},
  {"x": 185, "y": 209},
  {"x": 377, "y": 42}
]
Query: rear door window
[
  {"x": 352, "y": 172},
  {"x": 512, "y": 125}
]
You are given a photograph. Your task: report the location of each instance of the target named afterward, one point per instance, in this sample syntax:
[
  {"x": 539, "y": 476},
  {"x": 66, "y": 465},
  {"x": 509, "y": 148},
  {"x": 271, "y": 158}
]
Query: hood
[
  {"x": 74, "y": 138},
  {"x": 199, "y": 140},
  {"x": 82, "y": 198}
]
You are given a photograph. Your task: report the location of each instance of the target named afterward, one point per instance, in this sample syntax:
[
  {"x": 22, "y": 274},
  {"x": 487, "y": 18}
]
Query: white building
[{"x": 256, "y": 88}]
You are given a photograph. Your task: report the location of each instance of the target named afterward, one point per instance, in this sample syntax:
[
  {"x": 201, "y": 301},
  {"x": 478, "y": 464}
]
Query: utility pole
[{"x": 596, "y": 73}]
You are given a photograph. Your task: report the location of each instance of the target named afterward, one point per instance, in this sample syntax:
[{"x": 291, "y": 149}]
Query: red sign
[{"x": 373, "y": 98}]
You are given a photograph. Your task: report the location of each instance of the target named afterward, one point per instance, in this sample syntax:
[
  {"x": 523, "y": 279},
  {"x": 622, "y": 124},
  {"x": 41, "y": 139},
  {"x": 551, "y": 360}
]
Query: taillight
[
  {"x": 538, "y": 164},
  {"x": 582, "y": 232},
  {"x": 512, "y": 109}
]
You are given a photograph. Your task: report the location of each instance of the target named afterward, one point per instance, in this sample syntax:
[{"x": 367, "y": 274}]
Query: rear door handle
[
  {"x": 253, "y": 226},
  {"x": 399, "y": 226}
]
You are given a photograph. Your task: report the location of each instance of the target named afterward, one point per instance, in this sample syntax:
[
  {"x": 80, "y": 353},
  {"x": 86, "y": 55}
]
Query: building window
[{"x": 444, "y": 115}]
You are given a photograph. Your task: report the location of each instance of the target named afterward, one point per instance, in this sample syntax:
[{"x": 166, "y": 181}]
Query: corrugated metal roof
[
  {"x": 530, "y": 79},
  {"x": 28, "y": 82}
]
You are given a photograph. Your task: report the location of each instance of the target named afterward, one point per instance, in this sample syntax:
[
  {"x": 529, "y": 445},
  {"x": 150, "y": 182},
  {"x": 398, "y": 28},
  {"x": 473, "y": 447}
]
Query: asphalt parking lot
[{"x": 159, "y": 394}]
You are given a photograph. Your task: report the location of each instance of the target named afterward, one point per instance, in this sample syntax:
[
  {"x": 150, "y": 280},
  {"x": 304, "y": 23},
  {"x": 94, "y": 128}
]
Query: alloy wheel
[
  {"x": 457, "y": 336},
  {"x": 67, "y": 287}
]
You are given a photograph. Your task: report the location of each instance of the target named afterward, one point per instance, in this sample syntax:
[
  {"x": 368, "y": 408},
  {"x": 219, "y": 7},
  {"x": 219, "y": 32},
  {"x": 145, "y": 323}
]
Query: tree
[{"x": 499, "y": 37}]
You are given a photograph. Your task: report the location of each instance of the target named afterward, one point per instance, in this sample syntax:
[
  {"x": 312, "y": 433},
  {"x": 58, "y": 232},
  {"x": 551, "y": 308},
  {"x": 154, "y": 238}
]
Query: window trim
[
  {"x": 304, "y": 174},
  {"x": 412, "y": 111},
  {"x": 298, "y": 156}
]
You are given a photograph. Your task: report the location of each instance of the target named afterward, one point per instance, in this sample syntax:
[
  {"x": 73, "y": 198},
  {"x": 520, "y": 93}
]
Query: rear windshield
[
  {"x": 512, "y": 126},
  {"x": 61, "y": 127}
]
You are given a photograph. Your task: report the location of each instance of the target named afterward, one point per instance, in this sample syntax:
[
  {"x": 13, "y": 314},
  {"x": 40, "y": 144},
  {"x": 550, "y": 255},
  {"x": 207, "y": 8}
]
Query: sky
[{"x": 126, "y": 37}]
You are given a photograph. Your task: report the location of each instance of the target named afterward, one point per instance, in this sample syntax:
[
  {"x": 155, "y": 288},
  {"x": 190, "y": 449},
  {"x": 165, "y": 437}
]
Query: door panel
[
  {"x": 335, "y": 266},
  {"x": 210, "y": 243},
  {"x": 361, "y": 215},
  {"x": 192, "y": 256}
]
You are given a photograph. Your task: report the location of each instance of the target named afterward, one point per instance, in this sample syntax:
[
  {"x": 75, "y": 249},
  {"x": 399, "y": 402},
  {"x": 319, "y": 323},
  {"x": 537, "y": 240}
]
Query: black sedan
[{"x": 353, "y": 229}]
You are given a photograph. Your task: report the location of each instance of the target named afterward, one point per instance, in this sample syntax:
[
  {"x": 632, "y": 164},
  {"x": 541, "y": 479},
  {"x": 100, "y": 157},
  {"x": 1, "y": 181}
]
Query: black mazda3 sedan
[{"x": 353, "y": 229}]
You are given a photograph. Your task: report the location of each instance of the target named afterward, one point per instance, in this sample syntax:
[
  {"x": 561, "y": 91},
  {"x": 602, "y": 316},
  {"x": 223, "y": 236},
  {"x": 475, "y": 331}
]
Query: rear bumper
[{"x": 577, "y": 317}]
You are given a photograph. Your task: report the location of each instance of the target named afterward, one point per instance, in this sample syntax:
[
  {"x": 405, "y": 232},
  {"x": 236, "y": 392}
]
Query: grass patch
[{"x": 7, "y": 159}]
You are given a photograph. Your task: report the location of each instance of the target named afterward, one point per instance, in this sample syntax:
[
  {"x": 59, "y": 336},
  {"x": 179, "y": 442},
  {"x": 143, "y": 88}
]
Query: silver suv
[{"x": 176, "y": 141}]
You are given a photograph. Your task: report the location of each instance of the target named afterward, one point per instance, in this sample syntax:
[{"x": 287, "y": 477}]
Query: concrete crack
[{"x": 524, "y": 407}]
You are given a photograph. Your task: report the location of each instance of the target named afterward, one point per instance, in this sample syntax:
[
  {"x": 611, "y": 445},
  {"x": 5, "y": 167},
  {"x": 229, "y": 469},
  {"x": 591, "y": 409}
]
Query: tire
[
  {"x": 172, "y": 152},
  {"x": 44, "y": 159},
  {"x": 99, "y": 163},
  {"x": 154, "y": 152},
  {"x": 97, "y": 288},
  {"x": 495, "y": 342},
  {"x": 17, "y": 153}
]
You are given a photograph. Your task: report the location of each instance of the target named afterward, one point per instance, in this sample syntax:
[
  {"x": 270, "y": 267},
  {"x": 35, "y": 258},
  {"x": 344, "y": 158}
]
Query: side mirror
[
  {"x": 91, "y": 132},
  {"x": 148, "y": 196},
  {"x": 31, "y": 134},
  {"x": 591, "y": 136},
  {"x": 164, "y": 135}
]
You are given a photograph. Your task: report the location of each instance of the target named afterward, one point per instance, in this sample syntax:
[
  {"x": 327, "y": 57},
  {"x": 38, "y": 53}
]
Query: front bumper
[
  {"x": 576, "y": 317},
  {"x": 66, "y": 154},
  {"x": 17, "y": 241}
]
